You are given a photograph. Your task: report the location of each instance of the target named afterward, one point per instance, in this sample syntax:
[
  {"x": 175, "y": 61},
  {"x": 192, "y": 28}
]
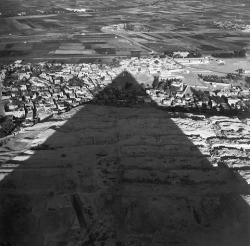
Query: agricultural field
[{"x": 39, "y": 28}]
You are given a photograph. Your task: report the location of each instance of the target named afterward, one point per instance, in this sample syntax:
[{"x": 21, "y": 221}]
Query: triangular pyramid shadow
[
  {"x": 123, "y": 91},
  {"x": 102, "y": 175}
]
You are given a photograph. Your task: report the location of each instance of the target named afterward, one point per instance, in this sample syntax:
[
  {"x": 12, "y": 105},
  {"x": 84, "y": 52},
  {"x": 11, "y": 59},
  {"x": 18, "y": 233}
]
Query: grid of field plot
[{"x": 73, "y": 49}]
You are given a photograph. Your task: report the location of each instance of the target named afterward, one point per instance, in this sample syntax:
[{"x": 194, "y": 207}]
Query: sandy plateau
[{"x": 100, "y": 175}]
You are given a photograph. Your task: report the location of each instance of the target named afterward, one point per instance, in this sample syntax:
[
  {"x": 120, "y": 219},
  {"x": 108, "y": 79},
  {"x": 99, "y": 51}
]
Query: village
[{"x": 32, "y": 92}]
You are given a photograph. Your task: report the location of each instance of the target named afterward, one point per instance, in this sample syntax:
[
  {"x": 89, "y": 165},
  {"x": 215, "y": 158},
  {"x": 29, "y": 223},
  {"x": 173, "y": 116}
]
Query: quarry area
[{"x": 103, "y": 175}]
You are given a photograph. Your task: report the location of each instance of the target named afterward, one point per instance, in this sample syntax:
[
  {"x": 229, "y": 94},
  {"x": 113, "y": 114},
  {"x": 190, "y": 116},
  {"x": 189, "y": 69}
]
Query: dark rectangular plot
[
  {"x": 88, "y": 46},
  {"x": 51, "y": 41},
  {"x": 9, "y": 46},
  {"x": 105, "y": 51},
  {"x": 87, "y": 60},
  {"x": 209, "y": 47},
  {"x": 175, "y": 36},
  {"x": 6, "y": 53},
  {"x": 45, "y": 46},
  {"x": 166, "y": 47},
  {"x": 95, "y": 42},
  {"x": 23, "y": 21},
  {"x": 198, "y": 36},
  {"x": 49, "y": 25},
  {"x": 2, "y": 46}
]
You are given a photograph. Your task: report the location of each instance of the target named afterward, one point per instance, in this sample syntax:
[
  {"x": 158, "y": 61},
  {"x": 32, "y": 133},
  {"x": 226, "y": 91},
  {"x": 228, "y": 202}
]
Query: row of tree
[
  {"x": 234, "y": 54},
  {"x": 220, "y": 79}
]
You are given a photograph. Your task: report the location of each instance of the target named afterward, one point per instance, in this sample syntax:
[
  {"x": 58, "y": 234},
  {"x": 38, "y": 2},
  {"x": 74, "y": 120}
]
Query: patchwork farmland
[{"x": 43, "y": 27}]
